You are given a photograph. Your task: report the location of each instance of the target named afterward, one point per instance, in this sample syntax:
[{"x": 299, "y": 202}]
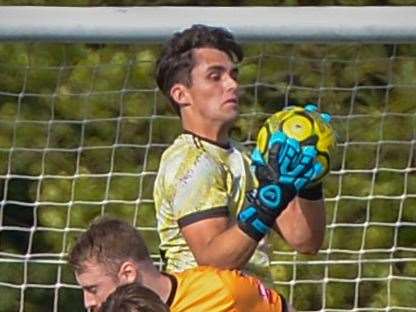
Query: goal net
[{"x": 83, "y": 126}]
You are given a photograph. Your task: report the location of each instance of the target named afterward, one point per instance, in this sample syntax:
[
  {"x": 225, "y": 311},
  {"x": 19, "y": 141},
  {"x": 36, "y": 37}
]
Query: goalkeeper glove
[
  {"x": 288, "y": 169},
  {"x": 314, "y": 191}
]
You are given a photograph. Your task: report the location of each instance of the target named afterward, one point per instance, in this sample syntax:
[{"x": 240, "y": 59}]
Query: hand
[
  {"x": 326, "y": 142},
  {"x": 288, "y": 169},
  {"x": 288, "y": 163},
  {"x": 313, "y": 190}
]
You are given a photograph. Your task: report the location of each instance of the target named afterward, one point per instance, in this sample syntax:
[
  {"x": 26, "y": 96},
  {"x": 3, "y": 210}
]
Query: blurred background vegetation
[{"x": 82, "y": 128}]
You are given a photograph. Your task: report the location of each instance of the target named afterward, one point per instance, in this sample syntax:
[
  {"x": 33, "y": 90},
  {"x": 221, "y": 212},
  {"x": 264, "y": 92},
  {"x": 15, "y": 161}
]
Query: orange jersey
[{"x": 208, "y": 289}]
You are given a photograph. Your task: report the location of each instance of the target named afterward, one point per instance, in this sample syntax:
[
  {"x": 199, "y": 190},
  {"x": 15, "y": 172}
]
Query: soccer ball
[{"x": 307, "y": 126}]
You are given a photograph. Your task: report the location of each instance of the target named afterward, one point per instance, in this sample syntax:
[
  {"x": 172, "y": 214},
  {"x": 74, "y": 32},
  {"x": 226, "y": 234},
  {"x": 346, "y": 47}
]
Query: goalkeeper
[{"x": 203, "y": 217}]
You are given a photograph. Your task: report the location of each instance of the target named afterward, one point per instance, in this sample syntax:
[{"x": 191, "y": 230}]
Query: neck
[
  {"x": 159, "y": 283},
  {"x": 216, "y": 134}
]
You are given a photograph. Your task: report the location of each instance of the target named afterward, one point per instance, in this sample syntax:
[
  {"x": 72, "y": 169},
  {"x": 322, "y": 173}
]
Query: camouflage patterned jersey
[{"x": 199, "y": 180}]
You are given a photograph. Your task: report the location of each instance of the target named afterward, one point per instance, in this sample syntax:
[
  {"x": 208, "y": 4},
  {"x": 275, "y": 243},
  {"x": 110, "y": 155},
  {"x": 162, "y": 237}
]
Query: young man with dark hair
[
  {"x": 111, "y": 253},
  {"x": 200, "y": 191}
]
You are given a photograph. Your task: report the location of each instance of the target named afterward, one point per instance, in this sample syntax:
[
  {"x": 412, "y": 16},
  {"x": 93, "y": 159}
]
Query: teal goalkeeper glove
[
  {"x": 314, "y": 190},
  {"x": 289, "y": 168}
]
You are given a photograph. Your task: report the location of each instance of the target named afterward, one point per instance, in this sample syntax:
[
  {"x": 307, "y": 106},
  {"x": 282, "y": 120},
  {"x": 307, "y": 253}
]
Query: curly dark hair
[
  {"x": 176, "y": 61},
  {"x": 133, "y": 298}
]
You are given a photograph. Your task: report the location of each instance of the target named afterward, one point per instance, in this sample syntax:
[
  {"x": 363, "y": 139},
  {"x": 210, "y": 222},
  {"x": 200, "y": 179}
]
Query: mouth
[{"x": 233, "y": 101}]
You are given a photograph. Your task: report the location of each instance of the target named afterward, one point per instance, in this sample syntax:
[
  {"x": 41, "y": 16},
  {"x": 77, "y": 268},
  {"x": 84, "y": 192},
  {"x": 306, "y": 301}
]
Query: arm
[
  {"x": 214, "y": 239},
  {"x": 200, "y": 207},
  {"x": 302, "y": 224},
  {"x": 301, "y": 219},
  {"x": 218, "y": 242}
]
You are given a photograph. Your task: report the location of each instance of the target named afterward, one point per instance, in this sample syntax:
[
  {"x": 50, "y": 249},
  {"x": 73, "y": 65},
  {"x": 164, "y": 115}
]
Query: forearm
[
  {"x": 302, "y": 224},
  {"x": 231, "y": 249}
]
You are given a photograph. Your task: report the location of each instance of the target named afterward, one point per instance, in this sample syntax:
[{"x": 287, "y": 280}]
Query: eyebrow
[
  {"x": 234, "y": 69},
  {"x": 89, "y": 287}
]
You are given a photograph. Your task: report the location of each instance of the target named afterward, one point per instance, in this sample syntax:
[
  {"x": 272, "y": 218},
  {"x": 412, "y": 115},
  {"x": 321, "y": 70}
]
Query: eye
[
  {"x": 234, "y": 75},
  {"x": 214, "y": 76},
  {"x": 91, "y": 289}
]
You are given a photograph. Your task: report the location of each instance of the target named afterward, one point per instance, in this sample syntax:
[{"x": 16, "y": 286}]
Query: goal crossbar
[
  {"x": 83, "y": 128},
  {"x": 155, "y": 24}
]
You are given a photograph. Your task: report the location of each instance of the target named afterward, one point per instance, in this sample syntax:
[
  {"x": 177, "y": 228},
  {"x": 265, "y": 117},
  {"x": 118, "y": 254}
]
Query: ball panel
[
  {"x": 298, "y": 127},
  {"x": 324, "y": 160},
  {"x": 305, "y": 126},
  {"x": 263, "y": 139}
]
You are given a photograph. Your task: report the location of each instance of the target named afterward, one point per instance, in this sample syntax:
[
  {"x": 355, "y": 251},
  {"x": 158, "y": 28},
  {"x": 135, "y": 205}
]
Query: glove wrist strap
[{"x": 265, "y": 206}]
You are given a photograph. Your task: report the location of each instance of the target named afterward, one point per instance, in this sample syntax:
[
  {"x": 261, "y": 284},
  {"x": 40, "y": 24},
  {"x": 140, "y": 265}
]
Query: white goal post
[
  {"x": 284, "y": 24},
  {"x": 83, "y": 125}
]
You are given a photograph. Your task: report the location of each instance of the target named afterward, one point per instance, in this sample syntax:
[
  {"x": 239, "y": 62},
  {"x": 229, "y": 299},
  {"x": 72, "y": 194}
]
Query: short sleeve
[{"x": 200, "y": 191}]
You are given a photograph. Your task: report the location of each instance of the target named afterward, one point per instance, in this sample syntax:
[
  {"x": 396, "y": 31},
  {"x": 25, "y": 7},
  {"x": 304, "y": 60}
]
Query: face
[
  {"x": 213, "y": 94},
  {"x": 97, "y": 284}
]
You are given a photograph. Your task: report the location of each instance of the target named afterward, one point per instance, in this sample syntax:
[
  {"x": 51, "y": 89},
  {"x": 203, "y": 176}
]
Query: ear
[
  {"x": 179, "y": 93},
  {"x": 128, "y": 272}
]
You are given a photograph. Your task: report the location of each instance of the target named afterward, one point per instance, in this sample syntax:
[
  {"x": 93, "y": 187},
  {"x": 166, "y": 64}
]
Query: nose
[
  {"x": 89, "y": 301},
  {"x": 231, "y": 82}
]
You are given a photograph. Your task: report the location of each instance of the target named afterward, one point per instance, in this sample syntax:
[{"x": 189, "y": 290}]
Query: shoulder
[
  {"x": 186, "y": 158},
  {"x": 234, "y": 283},
  {"x": 180, "y": 148},
  {"x": 190, "y": 179},
  {"x": 229, "y": 290},
  {"x": 200, "y": 272},
  {"x": 196, "y": 279},
  {"x": 250, "y": 293},
  {"x": 215, "y": 277},
  {"x": 193, "y": 294},
  {"x": 186, "y": 150}
]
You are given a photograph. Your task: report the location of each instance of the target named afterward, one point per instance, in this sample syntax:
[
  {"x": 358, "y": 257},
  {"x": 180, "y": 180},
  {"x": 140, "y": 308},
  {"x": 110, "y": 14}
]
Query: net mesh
[{"x": 82, "y": 129}]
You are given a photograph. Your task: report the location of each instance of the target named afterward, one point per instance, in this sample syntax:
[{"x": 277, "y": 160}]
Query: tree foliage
[{"x": 82, "y": 129}]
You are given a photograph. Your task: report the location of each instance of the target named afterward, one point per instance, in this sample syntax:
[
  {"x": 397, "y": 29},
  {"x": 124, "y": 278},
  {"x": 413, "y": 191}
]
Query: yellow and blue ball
[{"x": 306, "y": 125}]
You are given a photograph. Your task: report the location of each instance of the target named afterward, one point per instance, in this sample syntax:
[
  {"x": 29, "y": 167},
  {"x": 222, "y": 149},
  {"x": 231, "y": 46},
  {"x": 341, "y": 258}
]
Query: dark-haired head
[
  {"x": 133, "y": 298},
  {"x": 176, "y": 61}
]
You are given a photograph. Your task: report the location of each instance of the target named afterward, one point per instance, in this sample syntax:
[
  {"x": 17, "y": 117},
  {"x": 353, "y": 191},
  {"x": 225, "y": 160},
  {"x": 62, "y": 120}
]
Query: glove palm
[{"x": 289, "y": 168}]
